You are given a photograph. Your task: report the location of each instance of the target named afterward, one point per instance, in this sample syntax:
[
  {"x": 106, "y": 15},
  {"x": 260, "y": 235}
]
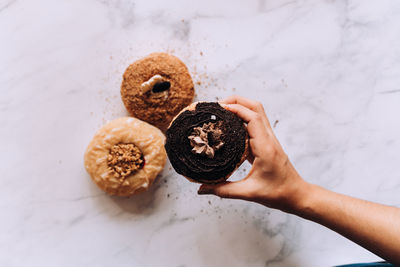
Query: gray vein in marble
[
  {"x": 182, "y": 30},
  {"x": 262, "y": 9},
  {"x": 77, "y": 220},
  {"x": 172, "y": 221},
  {"x": 390, "y": 92},
  {"x": 122, "y": 11},
  {"x": 7, "y": 5},
  {"x": 68, "y": 199}
]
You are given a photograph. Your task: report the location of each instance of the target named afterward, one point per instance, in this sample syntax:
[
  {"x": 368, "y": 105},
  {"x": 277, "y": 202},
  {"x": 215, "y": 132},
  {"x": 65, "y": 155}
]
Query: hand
[{"x": 272, "y": 180}]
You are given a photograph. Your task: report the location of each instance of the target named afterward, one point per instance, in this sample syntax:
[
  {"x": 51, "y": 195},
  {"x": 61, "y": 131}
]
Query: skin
[{"x": 275, "y": 183}]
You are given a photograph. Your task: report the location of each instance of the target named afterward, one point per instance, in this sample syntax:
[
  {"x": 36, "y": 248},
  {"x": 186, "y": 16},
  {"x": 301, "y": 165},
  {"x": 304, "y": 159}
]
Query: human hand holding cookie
[{"x": 272, "y": 181}]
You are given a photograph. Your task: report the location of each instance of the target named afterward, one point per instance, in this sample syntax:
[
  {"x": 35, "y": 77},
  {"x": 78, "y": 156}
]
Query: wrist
[{"x": 299, "y": 198}]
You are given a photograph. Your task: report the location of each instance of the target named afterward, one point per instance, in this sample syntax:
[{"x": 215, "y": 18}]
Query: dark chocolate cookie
[{"x": 206, "y": 143}]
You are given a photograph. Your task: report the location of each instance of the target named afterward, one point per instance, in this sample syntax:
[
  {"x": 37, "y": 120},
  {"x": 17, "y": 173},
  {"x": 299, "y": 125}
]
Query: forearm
[{"x": 375, "y": 227}]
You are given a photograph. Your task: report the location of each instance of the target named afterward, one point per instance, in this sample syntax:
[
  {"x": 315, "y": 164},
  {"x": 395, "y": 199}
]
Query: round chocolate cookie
[
  {"x": 156, "y": 88},
  {"x": 206, "y": 143}
]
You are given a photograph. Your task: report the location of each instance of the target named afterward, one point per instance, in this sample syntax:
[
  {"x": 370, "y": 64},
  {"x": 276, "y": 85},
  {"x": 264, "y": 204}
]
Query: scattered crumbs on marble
[{"x": 276, "y": 123}]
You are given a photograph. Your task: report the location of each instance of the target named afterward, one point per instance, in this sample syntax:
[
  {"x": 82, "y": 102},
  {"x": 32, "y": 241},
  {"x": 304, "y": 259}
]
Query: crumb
[
  {"x": 209, "y": 202},
  {"x": 234, "y": 89},
  {"x": 168, "y": 195},
  {"x": 275, "y": 123},
  {"x": 198, "y": 83},
  {"x": 201, "y": 53}
]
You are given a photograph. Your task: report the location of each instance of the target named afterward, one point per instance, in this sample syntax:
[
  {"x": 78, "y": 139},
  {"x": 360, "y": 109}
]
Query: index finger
[{"x": 248, "y": 103}]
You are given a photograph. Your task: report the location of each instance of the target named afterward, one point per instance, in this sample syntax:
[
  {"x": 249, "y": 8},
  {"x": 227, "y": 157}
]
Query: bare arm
[{"x": 275, "y": 183}]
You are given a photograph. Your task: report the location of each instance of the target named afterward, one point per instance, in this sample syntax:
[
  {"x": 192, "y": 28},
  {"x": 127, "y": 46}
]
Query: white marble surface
[{"x": 328, "y": 71}]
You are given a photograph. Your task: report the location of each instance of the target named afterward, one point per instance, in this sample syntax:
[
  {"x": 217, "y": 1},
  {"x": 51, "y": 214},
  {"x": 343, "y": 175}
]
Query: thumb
[{"x": 225, "y": 189}]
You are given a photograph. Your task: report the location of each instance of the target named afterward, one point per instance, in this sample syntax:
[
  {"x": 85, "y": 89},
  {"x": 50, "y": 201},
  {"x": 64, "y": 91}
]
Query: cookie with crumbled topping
[{"x": 156, "y": 87}]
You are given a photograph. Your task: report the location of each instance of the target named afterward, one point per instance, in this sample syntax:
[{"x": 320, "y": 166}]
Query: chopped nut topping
[{"x": 125, "y": 159}]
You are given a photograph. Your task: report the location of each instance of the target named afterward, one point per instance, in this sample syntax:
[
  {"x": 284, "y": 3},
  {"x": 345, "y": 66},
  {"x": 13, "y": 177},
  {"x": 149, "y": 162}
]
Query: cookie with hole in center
[
  {"x": 156, "y": 87},
  {"x": 125, "y": 156}
]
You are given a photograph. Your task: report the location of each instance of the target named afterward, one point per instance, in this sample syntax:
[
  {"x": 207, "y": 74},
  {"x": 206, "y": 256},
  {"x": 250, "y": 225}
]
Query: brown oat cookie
[
  {"x": 155, "y": 88},
  {"x": 125, "y": 156}
]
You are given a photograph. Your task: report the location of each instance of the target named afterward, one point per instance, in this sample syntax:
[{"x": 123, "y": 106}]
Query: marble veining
[{"x": 327, "y": 72}]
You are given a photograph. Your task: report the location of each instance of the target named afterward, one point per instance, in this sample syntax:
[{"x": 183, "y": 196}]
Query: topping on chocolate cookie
[{"x": 206, "y": 140}]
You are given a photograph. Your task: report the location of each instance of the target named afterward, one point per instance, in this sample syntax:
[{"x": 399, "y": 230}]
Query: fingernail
[{"x": 223, "y": 105}]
